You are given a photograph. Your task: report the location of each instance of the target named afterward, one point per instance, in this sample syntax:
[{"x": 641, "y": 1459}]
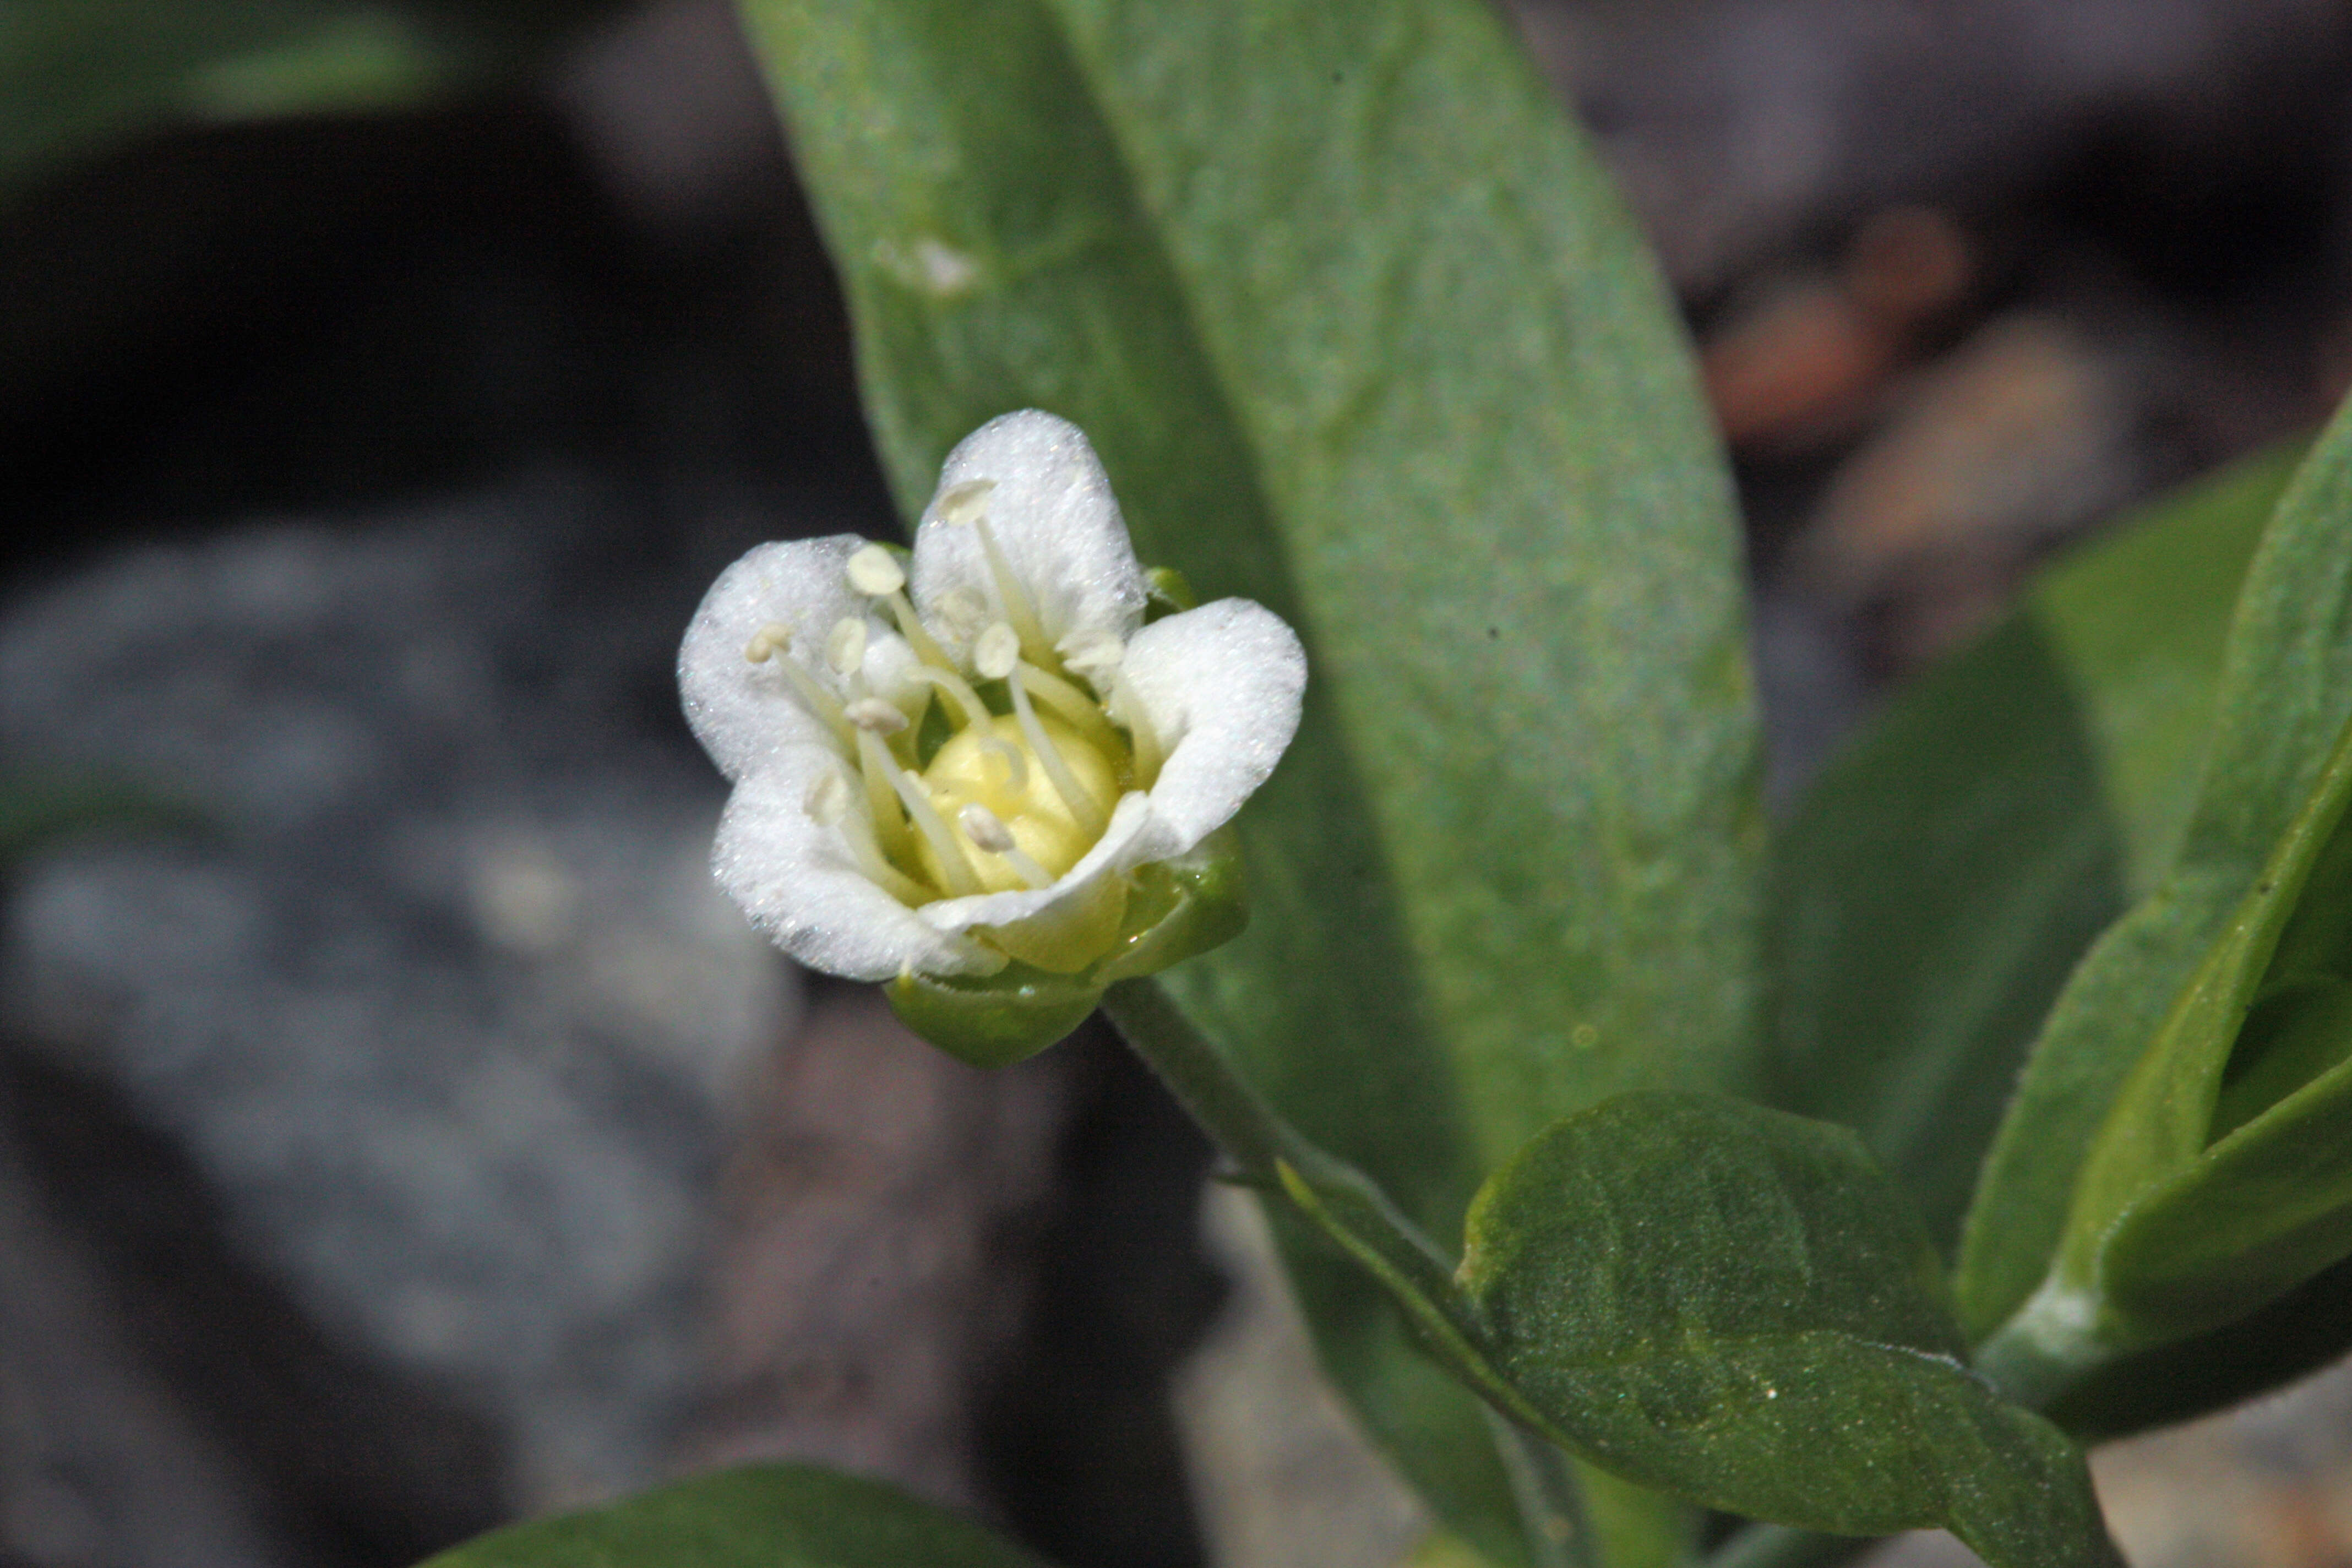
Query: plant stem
[
  {"x": 2043, "y": 1350},
  {"x": 1552, "y": 1515},
  {"x": 1206, "y": 1084},
  {"x": 1249, "y": 1130},
  {"x": 1270, "y": 1150}
]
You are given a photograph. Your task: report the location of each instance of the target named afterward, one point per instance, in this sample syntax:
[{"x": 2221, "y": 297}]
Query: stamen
[
  {"x": 961, "y": 503},
  {"x": 910, "y": 627},
  {"x": 875, "y": 572},
  {"x": 1083, "y": 808},
  {"x": 770, "y": 647},
  {"x": 962, "y": 613},
  {"x": 975, "y": 711},
  {"x": 987, "y": 832},
  {"x": 1073, "y": 706},
  {"x": 955, "y": 866},
  {"x": 830, "y": 803},
  {"x": 846, "y": 648},
  {"x": 875, "y": 717},
  {"x": 828, "y": 799},
  {"x": 872, "y": 718},
  {"x": 967, "y": 503},
  {"x": 1015, "y": 598},
  {"x": 996, "y": 651}
]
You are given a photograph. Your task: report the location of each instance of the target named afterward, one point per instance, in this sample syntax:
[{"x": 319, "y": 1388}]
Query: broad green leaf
[
  {"x": 1736, "y": 1306},
  {"x": 1934, "y": 891},
  {"x": 2283, "y": 695},
  {"x": 1359, "y": 332},
  {"x": 1950, "y": 866},
  {"x": 2140, "y": 621},
  {"x": 765, "y": 1516}
]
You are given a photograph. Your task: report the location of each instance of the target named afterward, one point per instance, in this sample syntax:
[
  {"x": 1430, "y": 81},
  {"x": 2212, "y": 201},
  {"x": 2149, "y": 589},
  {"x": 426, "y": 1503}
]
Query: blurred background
[{"x": 397, "y": 1133}]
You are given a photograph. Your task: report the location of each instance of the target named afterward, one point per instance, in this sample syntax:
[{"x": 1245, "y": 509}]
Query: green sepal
[
  {"x": 1168, "y": 591},
  {"x": 1175, "y": 908},
  {"x": 1179, "y": 908},
  {"x": 995, "y": 1020}
]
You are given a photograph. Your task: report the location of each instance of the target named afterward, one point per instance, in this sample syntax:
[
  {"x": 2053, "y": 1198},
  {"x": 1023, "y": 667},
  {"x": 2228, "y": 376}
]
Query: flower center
[
  {"x": 999, "y": 770},
  {"x": 1022, "y": 784}
]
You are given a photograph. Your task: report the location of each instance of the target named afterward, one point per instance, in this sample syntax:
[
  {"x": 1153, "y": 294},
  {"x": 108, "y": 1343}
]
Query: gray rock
[{"x": 446, "y": 1012}]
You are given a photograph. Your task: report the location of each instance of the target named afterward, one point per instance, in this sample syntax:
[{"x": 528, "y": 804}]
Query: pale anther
[
  {"x": 963, "y": 613},
  {"x": 964, "y": 502},
  {"x": 990, "y": 835},
  {"x": 985, "y": 828},
  {"x": 828, "y": 798},
  {"x": 874, "y": 570},
  {"x": 772, "y": 639},
  {"x": 846, "y": 648},
  {"x": 995, "y": 651},
  {"x": 875, "y": 715},
  {"x": 1094, "y": 654}
]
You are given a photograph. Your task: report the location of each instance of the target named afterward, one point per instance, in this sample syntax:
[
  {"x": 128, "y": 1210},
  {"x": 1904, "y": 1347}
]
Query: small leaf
[
  {"x": 2284, "y": 696},
  {"x": 765, "y": 1516},
  {"x": 1737, "y": 1306},
  {"x": 2223, "y": 1175}
]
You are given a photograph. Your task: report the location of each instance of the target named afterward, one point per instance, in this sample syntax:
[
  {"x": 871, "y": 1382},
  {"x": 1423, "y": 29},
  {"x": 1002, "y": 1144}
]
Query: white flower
[{"x": 944, "y": 766}]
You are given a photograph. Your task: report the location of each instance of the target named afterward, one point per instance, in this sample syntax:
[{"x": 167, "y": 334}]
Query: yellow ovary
[{"x": 997, "y": 769}]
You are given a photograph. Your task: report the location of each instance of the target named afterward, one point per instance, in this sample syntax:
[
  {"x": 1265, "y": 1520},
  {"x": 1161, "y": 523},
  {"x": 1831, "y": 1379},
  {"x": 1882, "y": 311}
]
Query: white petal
[
  {"x": 799, "y": 884},
  {"x": 1052, "y": 512},
  {"x": 1133, "y": 838},
  {"x": 1220, "y": 687},
  {"x": 741, "y": 711}
]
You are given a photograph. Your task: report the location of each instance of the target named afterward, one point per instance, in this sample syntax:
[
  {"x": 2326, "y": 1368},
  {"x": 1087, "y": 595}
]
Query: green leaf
[
  {"x": 1934, "y": 891},
  {"x": 1950, "y": 866},
  {"x": 1736, "y": 1306},
  {"x": 2281, "y": 698},
  {"x": 1739, "y": 1306},
  {"x": 2222, "y": 1177},
  {"x": 1359, "y": 332},
  {"x": 2140, "y": 621},
  {"x": 2297, "y": 1334},
  {"x": 765, "y": 1516}
]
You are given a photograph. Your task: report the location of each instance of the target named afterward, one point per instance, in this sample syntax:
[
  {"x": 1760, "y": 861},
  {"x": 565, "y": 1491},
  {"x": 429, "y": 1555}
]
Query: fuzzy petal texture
[
  {"x": 1221, "y": 686},
  {"x": 745, "y": 712},
  {"x": 1052, "y": 512},
  {"x": 797, "y": 881}
]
